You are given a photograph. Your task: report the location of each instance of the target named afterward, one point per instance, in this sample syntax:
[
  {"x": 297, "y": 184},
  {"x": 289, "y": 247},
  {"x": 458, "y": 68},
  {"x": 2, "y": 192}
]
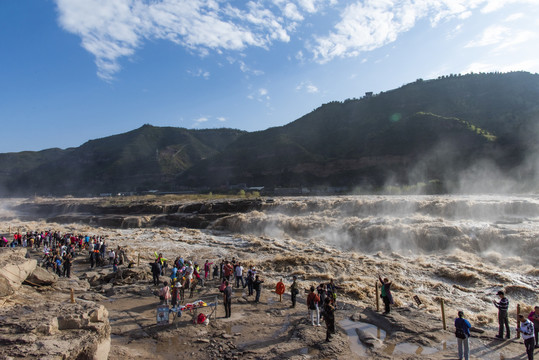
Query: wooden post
[
  {"x": 280, "y": 297},
  {"x": 377, "y": 298},
  {"x": 443, "y": 314},
  {"x": 518, "y": 321},
  {"x": 138, "y": 260},
  {"x": 72, "y": 296}
]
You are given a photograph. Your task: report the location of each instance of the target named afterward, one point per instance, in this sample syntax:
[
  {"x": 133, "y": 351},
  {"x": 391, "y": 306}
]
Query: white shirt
[
  {"x": 526, "y": 329},
  {"x": 239, "y": 270}
]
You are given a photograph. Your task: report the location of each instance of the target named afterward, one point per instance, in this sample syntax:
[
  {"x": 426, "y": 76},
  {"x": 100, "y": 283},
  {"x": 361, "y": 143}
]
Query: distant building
[
  {"x": 241, "y": 186},
  {"x": 368, "y": 94}
]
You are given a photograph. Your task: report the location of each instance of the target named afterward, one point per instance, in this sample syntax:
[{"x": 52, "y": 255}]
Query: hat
[{"x": 500, "y": 293}]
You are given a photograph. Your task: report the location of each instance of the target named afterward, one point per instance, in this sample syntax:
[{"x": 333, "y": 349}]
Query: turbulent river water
[{"x": 458, "y": 248}]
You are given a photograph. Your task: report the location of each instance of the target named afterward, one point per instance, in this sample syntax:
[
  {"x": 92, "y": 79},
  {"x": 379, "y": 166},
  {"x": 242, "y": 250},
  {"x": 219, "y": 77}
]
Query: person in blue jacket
[{"x": 462, "y": 332}]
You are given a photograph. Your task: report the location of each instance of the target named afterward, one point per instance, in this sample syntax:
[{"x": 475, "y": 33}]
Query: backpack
[
  {"x": 460, "y": 333},
  {"x": 222, "y": 287},
  {"x": 201, "y": 318},
  {"x": 312, "y": 303}
]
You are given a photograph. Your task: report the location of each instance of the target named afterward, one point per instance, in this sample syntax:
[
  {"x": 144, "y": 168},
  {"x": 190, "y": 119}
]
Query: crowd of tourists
[{"x": 59, "y": 250}]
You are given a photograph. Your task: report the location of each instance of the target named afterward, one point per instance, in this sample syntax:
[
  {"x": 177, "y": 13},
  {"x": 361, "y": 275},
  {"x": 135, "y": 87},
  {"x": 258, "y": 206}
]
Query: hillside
[
  {"x": 427, "y": 130},
  {"x": 139, "y": 160},
  {"x": 455, "y": 130}
]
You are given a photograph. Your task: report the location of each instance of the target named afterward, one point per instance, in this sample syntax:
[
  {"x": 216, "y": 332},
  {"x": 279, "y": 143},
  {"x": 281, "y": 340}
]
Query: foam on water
[{"x": 458, "y": 248}]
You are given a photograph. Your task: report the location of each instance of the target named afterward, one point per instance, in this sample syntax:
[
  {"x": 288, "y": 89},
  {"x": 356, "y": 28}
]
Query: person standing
[
  {"x": 329, "y": 317},
  {"x": 294, "y": 291},
  {"x": 503, "y": 318},
  {"x": 257, "y": 286},
  {"x": 164, "y": 294},
  {"x": 386, "y": 294},
  {"x": 251, "y": 274},
  {"x": 534, "y": 318},
  {"x": 228, "y": 271},
  {"x": 322, "y": 291},
  {"x": 238, "y": 272},
  {"x": 207, "y": 270},
  {"x": 156, "y": 271},
  {"x": 68, "y": 261},
  {"x": 527, "y": 331},
  {"x": 462, "y": 332},
  {"x": 227, "y": 299},
  {"x": 312, "y": 303},
  {"x": 280, "y": 289}
]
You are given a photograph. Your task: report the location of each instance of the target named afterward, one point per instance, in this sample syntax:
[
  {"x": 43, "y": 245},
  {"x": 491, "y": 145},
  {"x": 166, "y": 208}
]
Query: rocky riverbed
[{"x": 293, "y": 239}]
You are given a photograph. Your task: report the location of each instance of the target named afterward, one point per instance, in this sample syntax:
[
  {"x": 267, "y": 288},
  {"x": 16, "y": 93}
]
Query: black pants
[
  {"x": 155, "y": 279},
  {"x": 330, "y": 327},
  {"x": 536, "y": 330},
  {"x": 293, "y": 297},
  {"x": 67, "y": 271},
  {"x": 503, "y": 319},
  {"x": 386, "y": 304},
  {"x": 529, "y": 344},
  {"x": 228, "y": 309}
]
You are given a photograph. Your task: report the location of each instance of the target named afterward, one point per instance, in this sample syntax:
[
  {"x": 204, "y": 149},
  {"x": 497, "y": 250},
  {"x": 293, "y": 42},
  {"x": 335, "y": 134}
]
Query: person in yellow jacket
[{"x": 163, "y": 262}]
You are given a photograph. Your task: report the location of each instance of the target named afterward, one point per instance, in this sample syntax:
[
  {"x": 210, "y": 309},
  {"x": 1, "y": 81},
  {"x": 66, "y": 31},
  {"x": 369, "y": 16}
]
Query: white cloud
[
  {"x": 261, "y": 95},
  {"x": 199, "y": 73},
  {"x": 221, "y": 119},
  {"x": 370, "y": 24},
  {"x": 246, "y": 69},
  {"x": 526, "y": 65},
  {"x": 491, "y": 35},
  {"x": 308, "y": 87},
  {"x": 503, "y": 37},
  {"x": 291, "y": 12},
  {"x": 514, "y": 17},
  {"x": 112, "y": 29}
]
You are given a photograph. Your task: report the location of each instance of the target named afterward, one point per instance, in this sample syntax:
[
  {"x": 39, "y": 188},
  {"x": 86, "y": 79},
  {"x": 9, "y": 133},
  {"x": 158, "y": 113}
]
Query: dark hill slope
[
  {"x": 425, "y": 130},
  {"x": 142, "y": 159}
]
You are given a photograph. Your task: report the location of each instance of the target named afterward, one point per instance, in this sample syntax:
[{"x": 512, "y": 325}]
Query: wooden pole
[
  {"x": 72, "y": 296},
  {"x": 280, "y": 297},
  {"x": 138, "y": 260},
  {"x": 518, "y": 321},
  {"x": 443, "y": 314},
  {"x": 377, "y": 298}
]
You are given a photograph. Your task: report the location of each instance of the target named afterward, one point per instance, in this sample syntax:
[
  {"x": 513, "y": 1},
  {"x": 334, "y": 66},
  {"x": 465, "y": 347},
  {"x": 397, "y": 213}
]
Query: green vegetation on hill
[{"x": 425, "y": 132}]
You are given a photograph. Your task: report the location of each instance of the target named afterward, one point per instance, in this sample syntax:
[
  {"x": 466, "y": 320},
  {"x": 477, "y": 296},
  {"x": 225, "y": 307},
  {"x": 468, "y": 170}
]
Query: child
[{"x": 164, "y": 294}]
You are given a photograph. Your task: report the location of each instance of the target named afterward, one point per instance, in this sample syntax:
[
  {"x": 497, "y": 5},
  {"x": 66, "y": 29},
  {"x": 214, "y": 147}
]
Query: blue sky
[{"x": 75, "y": 70}]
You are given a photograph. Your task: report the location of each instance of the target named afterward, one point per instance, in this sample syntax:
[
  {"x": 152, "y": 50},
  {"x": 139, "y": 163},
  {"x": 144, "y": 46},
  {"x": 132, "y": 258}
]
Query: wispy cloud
[
  {"x": 199, "y": 73},
  {"x": 491, "y": 35},
  {"x": 502, "y": 37},
  {"x": 514, "y": 17},
  {"x": 308, "y": 87},
  {"x": 526, "y": 65},
  {"x": 261, "y": 95},
  {"x": 112, "y": 29},
  {"x": 198, "y": 122},
  {"x": 370, "y": 24}
]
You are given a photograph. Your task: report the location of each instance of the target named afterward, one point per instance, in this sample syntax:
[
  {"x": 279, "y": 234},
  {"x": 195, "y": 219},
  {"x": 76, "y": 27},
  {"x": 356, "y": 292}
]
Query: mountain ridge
[{"x": 427, "y": 130}]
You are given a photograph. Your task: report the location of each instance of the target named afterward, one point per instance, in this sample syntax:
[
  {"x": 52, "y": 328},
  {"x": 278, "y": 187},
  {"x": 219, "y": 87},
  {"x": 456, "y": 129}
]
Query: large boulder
[
  {"x": 41, "y": 277},
  {"x": 57, "y": 330},
  {"x": 14, "y": 269}
]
